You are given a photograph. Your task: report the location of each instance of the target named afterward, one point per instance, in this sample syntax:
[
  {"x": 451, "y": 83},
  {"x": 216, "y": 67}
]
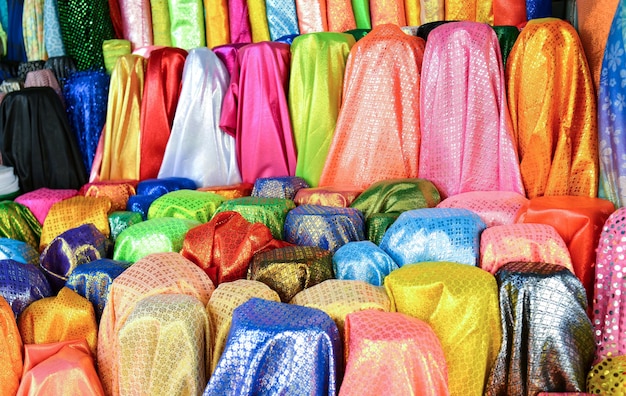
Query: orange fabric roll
[
  {"x": 231, "y": 192},
  {"x": 509, "y": 12},
  {"x": 10, "y": 350},
  {"x": 387, "y": 11},
  {"x": 340, "y": 15}
]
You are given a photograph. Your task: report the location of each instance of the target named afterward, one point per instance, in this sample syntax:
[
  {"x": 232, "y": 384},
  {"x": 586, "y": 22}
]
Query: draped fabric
[
  {"x": 612, "y": 113},
  {"x": 282, "y": 18},
  {"x": 256, "y": 113},
  {"x": 278, "y": 187},
  {"x": 116, "y": 18},
  {"x": 326, "y": 196},
  {"x": 507, "y": 36},
  {"x": 470, "y": 10},
  {"x": 258, "y": 20},
  {"x": 269, "y": 211},
  {"x": 33, "y": 30},
  {"x": 217, "y": 23},
  {"x": 460, "y": 303},
  {"x": 494, "y": 209},
  {"x": 186, "y": 204},
  {"x": 44, "y": 78},
  {"x": 158, "y": 187},
  {"x": 41, "y": 200},
  {"x": 163, "y": 273},
  {"x": 112, "y": 50},
  {"x": 187, "y": 24},
  {"x": 11, "y": 249},
  {"x": 239, "y": 24},
  {"x": 312, "y": 16},
  {"x": 607, "y": 377},
  {"x": 340, "y": 16},
  {"x": 383, "y": 12},
  {"x": 229, "y": 55},
  {"x": 363, "y": 261},
  {"x": 17, "y": 222},
  {"x": 467, "y": 140},
  {"x": 378, "y": 127},
  {"x": 137, "y": 22},
  {"x": 547, "y": 338},
  {"x": 509, "y": 12},
  {"x": 239, "y": 190},
  {"x": 160, "y": 14},
  {"x": 23, "y": 68},
  {"x": 10, "y": 349},
  {"x": 318, "y": 64},
  {"x": 197, "y": 148},
  {"x": 118, "y": 192},
  {"x": 21, "y": 285},
  {"x": 162, "y": 86},
  {"x": 555, "y": 127}
]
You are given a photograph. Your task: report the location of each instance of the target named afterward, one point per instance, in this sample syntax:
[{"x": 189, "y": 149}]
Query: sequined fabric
[
  {"x": 10, "y": 349},
  {"x": 269, "y": 211},
  {"x": 276, "y": 348},
  {"x": 494, "y": 209},
  {"x": 290, "y": 270},
  {"x": 164, "y": 234},
  {"x": 460, "y": 303},
  {"x": 325, "y": 227},
  {"x": 17, "y": 222},
  {"x": 607, "y": 377},
  {"x": 163, "y": 273},
  {"x": 158, "y": 187},
  {"x": 469, "y": 10},
  {"x": 378, "y": 127},
  {"x": 326, "y": 196},
  {"x": 119, "y": 221},
  {"x": 282, "y": 18},
  {"x": 312, "y": 16},
  {"x": 11, "y": 249},
  {"x": 22, "y": 284},
  {"x": 391, "y": 12},
  {"x": 186, "y": 204},
  {"x": 340, "y": 15},
  {"x": 377, "y": 225},
  {"x": 226, "y": 297},
  {"x": 137, "y": 22},
  {"x": 394, "y": 354},
  {"x": 362, "y": 261},
  {"x": 278, "y": 187},
  {"x": 547, "y": 338},
  {"x": 538, "y": 9},
  {"x": 164, "y": 346}
]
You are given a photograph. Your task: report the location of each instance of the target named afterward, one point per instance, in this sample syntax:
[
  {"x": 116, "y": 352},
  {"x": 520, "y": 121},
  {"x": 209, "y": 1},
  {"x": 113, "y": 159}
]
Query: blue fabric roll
[
  {"x": 282, "y": 18},
  {"x": 538, "y": 9},
  {"x": 11, "y": 249},
  {"x": 21, "y": 284},
  {"x": 158, "y": 187},
  {"x": 140, "y": 204},
  {"x": 15, "y": 35},
  {"x": 278, "y": 187},
  {"x": 52, "y": 36},
  {"x": 363, "y": 261}
]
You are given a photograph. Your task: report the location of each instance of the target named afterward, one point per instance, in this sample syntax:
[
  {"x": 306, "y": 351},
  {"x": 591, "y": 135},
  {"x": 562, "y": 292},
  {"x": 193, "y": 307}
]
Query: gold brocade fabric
[
  {"x": 74, "y": 212},
  {"x": 553, "y": 109},
  {"x": 258, "y": 20},
  {"x": 223, "y": 302},
  {"x": 326, "y": 196},
  {"x": 216, "y": 19},
  {"x": 460, "y": 303},
  {"x": 67, "y": 316},
  {"x": 121, "y": 149},
  {"x": 164, "y": 345},
  {"x": 117, "y": 192},
  {"x": 608, "y": 377},
  {"x": 469, "y": 10},
  {"x": 412, "y": 12},
  {"x": 10, "y": 350}
]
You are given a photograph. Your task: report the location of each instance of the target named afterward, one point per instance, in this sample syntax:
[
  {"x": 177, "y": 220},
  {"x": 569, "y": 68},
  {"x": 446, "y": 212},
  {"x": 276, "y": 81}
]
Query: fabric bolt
[
  {"x": 229, "y": 55},
  {"x": 23, "y": 68},
  {"x": 10, "y": 349},
  {"x": 186, "y": 204},
  {"x": 162, "y": 86},
  {"x": 460, "y": 303},
  {"x": 536, "y": 9},
  {"x": 435, "y": 234},
  {"x": 377, "y": 225},
  {"x": 17, "y": 222},
  {"x": 217, "y": 21},
  {"x": 118, "y": 192},
  {"x": 269, "y": 211},
  {"x": 62, "y": 66},
  {"x": 358, "y": 34},
  {"x": 164, "y": 347},
  {"x": 116, "y": 18},
  {"x": 282, "y": 18},
  {"x": 278, "y": 187},
  {"x": 325, "y": 227},
  {"x": 226, "y": 297},
  {"x": 547, "y": 338},
  {"x": 318, "y": 63},
  {"x": 224, "y": 246},
  {"x": 432, "y": 11},
  {"x": 22, "y": 284},
  {"x": 238, "y": 190},
  {"x": 41, "y": 200},
  {"x": 157, "y": 187},
  {"x": 555, "y": 128},
  {"x": 93, "y": 281},
  {"x": 392, "y": 353},
  {"x": 137, "y": 22},
  {"x": 64, "y": 317},
  {"x": 73, "y": 212},
  {"x": 362, "y": 261},
  {"x": 140, "y": 204},
  {"x": 378, "y": 128},
  {"x": 276, "y": 348},
  {"x": 412, "y": 11},
  {"x": 509, "y": 12},
  {"x": 239, "y": 21},
  {"x": 311, "y": 16},
  {"x": 326, "y": 196},
  {"x": 507, "y": 36},
  {"x": 197, "y": 148},
  {"x": 187, "y": 24},
  {"x": 383, "y": 12},
  {"x": 15, "y": 44},
  {"x": 290, "y": 270},
  {"x": 255, "y": 112},
  {"x": 361, "y": 9},
  {"x": 477, "y": 11},
  {"x": 607, "y": 377},
  {"x": 60, "y": 368},
  {"x": 162, "y": 273},
  {"x": 10, "y": 85},
  {"x": 4, "y": 14},
  {"x": 160, "y": 14},
  {"x": 33, "y": 30},
  {"x": 494, "y": 209},
  {"x": 340, "y": 16},
  {"x": 11, "y": 249},
  {"x": 161, "y": 235},
  {"x": 257, "y": 13},
  {"x": 467, "y": 140},
  {"x": 112, "y": 50}
]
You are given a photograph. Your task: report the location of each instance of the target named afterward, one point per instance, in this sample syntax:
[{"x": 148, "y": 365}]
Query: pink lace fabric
[
  {"x": 494, "y": 208},
  {"x": 540, "y": 243},
  {"x": 41, "y": 200}
]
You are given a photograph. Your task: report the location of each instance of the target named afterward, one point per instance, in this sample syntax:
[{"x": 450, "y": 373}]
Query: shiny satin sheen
[
  {"x": 17, "y": 222},
  {"x": 22, "y": 284},
  {"x": 186, "y": 204},
  {"x": 269, "y": 211},
  {"x": 363, "y": 261},
  {"x": 494, "y": 209}
]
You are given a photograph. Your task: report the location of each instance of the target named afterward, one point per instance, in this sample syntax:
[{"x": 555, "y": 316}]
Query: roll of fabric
[
  {"x": 363, "y": 261},
  {"x": 378, "y": 224},
  {"x": 326, "y": 196},
  {"x": 383, "y": 12},
  {"x": 11, "y": 349},
  {"x": 312, "y": 16},
  {"x": 41, "y": 200},
  {"x": 507, "y": 36},
  {"x": 4, "y": 14},
  {"x": 288, "y": 39},
  {"x": 11, "y": 249},
  {"x": 470, "y": 10},
  {"x": 282, "y": 18},
  {"x": 157, "y": 187},
  {"x": 258, "y": 20},
  {"x": 361, "y": 9},
  {"x": 112, "y": 50},
  {"x": 217, "y": 23},
  {"x": 17, "y": 222},
  {"x": 23, "y": 68},
  {"x": 536, "y": 9},
  {"x": 239, "y": 190},
  {"x": 186, "y": 204},
  {"x": 33, "y": 30},
  {"x": 15, "y": 34},
  {"x": 137, "y": 22},
  {"x": 432, "y": 11},
  {"x": 239, "y": 21},
  {"x": 340, "y": 16},
  {"x": 412, "y": 12},
  {"x": 116, "y": 18},
  {"x": 269, "y": 211},
  {"x": 278, "y": 187},
  {"x": 509, "y": 12},
  {"x": 187, "y": 24},
  {"x": 21, "y": 285},
  {"x": 121, "y": 220},
  {"x": 117, "y": 191},
  {"x": 52, "y": 36},
  {"x": 494, "y": 209},
  {"x": 160, "y": 13}
]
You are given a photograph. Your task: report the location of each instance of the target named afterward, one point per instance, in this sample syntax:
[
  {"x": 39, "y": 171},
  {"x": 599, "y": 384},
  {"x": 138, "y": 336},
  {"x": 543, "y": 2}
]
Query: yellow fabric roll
[
  {"x": 216, "y": 18},
  {"x": 258, "y": 21},
  {"x": 160, "y": 23},
  {"x": 469, "y": 10},
  {"x": 460, "y": 303},
  {"x": 113, "y": 49},
  {"x": 121, "y": 153},
  {"x": 67, "y": 316},
  {"x": 432, "y": 11},
  {"x": 412, "y": 11},
  {"x": 553, "y": 109},
  {"x": 10, "y": 350}
]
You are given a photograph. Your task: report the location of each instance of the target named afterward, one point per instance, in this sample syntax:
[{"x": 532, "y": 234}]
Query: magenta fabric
[
  {"x": 494, "y": 209},
  {"x": 41, "y": 200},
  {"x": 137, "y": 22},
  {"x": 229, "y": 55},
  {"x": 256, "y": 112},
  {"x": 467, "y": 142},
  {"x": 239, "y": 22}
]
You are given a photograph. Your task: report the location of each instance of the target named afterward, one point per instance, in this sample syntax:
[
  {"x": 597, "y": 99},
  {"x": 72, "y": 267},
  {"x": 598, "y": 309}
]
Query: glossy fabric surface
[
  {"x": 312, "y": 16},
  {"x": 164, "y": 234},
  {"x": 229, "y": 55},
  {"x": 494, "y": 209},
  {"x": 326, "y": 196},
  {"x": 140, "y": 204},
  {"x": 187, "y": 24},
  {"x": 17, "y": 222},
  {"x": 258, "y": 20},
  {"x": 538, "y": 9},
  {"x": 363, "y": 261},
  {"x": 340, "y": 16},
  {"x": 276, "y": 348},
  {"x": 432, "y": 11},
  {"x": 467, "y": 141},
  {"x": 15, "y": 42},
  {"x": 162, "y": 186},
  {"x": 325, "y": 227},
  {"x": 292, "y": 269},
  {"x": 361, "y": 9},
  {"x": 543, "y": 313},
  {"x": 509, "y": 12},
  {"x": 607, "y": 377},
  {"x": 186, "y": 204},
  {"x": 62, "y": 66},
  {"x": 269, "y": 211},
  {"x": 278, "y": 187},
  {"x": 378, "y": 224},
  {"x": 11, "y": 249},
  {"x": 163, "y": 273},
  {"x": 161, "y": 26},
  {"x": 470, "y": 10},
  {"x": 282, "y": 18},
  {"x": 507, "y": 36},
  {"x": 137, "y": 22},
  {"x": 460, "y": 303},
  {"x": 216, "y": 22},
  {"x": 197, "y": 148},
  {"x": 238, "y": 20},
  {"x": 164, "y": 347},
  {"x": 10, "y": 349},
  {"x": 112, "y": 50},
  {"x": 239, "y": 190},
  {"x": 377, "y": 129},
  {"x": 555, "y": 128},
  {"x": 392, "y": 353},
  {"x": 22, "y": 284}
]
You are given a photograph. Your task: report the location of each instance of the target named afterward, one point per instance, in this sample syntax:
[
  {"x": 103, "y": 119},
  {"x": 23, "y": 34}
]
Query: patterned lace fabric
[{"x": 494, "y": 208}]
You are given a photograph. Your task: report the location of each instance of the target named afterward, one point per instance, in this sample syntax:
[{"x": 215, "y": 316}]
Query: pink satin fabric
[
  {"x": 40, "y": 201},
  {"x": 467, "y": 141},
  {"x": 494, "y": 209},
  {"x": 256, "y": 112},
  {"x": 312, "y": 16},
  {"x": 137, "y": 22},
  {"x": 239, "y": 22},
  {"x": 229, "y": 55}
]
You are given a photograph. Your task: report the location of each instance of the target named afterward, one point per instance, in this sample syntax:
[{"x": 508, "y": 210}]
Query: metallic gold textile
[
  {"x": 161, "y": 273},
  {"x": 377, "y": 224},
  {"x": 494, "y": 209},
  {"x": 390, "y": 353},
  {"x": 469, "y": 10},
  {"x": 223, "y": 302},
  {"x": 10, "y": 350},
  {"x": 323, "y": 226},
  {"x": 117, "y": 191},
  {"x": 326, "y": 196},
  {"x": 278, "y": 187},
  {"x": 21, "y": 284},
  {"x": 432, "y": 11},
  {"x": 318, "y": 63},
  {"x": 119, "y": 221},
  {"x": 73, "y": 212},
  {"x": 523, "y": 243},
  {"x": 164, "y": 347},
  {"x": 121, "y": 133},
  {"x": 161, "y": 22},
  {"x": 164, "y": 234},
  {"x": 17, "y": 222},
  {"x": 553, "y": 109},
  {"x": 378, "y": 130},
  {"x": 363, "y": 261},
  {"x": 216, "y": 23},
  {"x": 269, "y": 211},
  {"x": 186, "y": 204},
  {"x": 112, "y": 50},
  {"x": 258, "y": 21},
  {"x": 11, "y": 249},
  {"x": 312, "y": 16},
  {"x": 460, "y": 303},
  {"x": 412, "y": 12},
  {"x": 547, "y": 338},
  {"x": 607, "y": 377},
  {"x": 231, "y": 192},
  {"x": 340, "y": 15},
  {"x": 290, "y": 270},
  {"x": 275, "y": 348},
  {"x": 64, "y": 317},
  {"x": 187, "y": 24},
  {"x": 383, "y": 12}
]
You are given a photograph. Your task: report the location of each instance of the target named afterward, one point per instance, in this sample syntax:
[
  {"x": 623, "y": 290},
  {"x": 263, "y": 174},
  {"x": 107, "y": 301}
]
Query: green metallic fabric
[
  {"x": 119, "y": 221},
  {"x": 186, "y": 204},
  {"x": 507, "y": 35},
  {"x": 377, "y": 225},
  {"x": 358, "y": 33},
  {"x": 17, "y": 222},
  {"x": 269, "y": 211}
]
